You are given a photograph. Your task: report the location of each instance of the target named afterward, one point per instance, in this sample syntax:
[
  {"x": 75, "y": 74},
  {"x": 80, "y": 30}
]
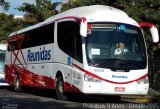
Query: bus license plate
[{"x": 119, "y": 89}]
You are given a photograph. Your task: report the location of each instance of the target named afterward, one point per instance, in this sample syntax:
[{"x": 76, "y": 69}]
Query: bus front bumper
[{"x": 106, "y": 88}]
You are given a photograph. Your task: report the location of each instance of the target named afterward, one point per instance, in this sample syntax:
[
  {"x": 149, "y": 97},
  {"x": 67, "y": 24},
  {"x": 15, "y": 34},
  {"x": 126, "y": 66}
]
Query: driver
[{"x": 120, "y": 49}]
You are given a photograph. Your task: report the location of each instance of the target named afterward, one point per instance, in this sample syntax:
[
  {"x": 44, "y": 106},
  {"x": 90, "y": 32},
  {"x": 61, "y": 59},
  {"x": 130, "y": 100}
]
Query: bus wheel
[
  {"x": 17, "y": 86},
  {"x": 60, "y": 89}
]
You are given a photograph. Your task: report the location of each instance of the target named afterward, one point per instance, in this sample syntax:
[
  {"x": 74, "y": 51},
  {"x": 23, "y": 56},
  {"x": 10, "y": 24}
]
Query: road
[{"x": 45, "y": 99}]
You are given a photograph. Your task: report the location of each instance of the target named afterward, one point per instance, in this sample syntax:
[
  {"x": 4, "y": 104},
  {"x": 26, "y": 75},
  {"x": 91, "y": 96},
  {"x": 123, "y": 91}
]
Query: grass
[{"x": 153, "y": 93}]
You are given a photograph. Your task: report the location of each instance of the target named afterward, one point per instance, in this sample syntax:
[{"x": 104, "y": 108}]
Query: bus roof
[{"x": 93, "y": 13}]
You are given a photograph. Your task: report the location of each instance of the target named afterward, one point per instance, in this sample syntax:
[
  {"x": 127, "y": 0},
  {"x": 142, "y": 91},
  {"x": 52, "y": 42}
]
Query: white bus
[
  {"x": 2, "y": 64},
  {"x": 77, "y": 51}
]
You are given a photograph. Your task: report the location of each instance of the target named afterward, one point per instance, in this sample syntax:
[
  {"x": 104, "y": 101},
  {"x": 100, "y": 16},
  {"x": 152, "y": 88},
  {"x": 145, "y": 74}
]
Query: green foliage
[
  {"x": 76, "y": 3},
  {"x": 153, "y": 93},
  {"x": 7, "y": 25},
  {"x": 38, "y": 12},
  {"x": 34, "y": 13},
  {"x": 5, "y": 5},
  {"x": 145, "y": 10}
]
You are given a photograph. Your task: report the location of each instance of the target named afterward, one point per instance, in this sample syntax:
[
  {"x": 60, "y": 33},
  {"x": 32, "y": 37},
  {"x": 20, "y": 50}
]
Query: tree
[
  {"x": 76, "y": 3},
  {"x": 8, "y": 24},
  {"x": 145, "y": 10},
  {"x": 38, "y": 12},
  {"x": 5, "y": 5}
]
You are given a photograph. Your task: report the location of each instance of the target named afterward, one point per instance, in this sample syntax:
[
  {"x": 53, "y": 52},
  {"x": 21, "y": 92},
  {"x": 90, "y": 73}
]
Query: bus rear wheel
[
  {"x": 60, "y": 89},
  {"x": 17, "y": 86}
]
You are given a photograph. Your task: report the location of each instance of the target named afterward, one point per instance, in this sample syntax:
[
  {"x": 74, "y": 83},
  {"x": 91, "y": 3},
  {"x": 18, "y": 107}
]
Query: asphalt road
[{"x": 45, "y": 99}]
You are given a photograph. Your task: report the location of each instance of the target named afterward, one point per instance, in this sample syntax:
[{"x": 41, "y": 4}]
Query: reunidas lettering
[
  {"x": 121, "y": 76},
  {"x": 41, "y": 55}
]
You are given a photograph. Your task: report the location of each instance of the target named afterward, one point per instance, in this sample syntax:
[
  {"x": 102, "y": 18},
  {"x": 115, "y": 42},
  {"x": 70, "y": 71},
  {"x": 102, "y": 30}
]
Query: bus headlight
[
  {"x": 143, "y": 81},
  {"x": 89, "y": 78}
]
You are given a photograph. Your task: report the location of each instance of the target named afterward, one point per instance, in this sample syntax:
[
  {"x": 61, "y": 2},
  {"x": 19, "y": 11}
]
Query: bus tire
[
  {"x": 17, "y": 86},
  {"x": 60, "y": 89}
]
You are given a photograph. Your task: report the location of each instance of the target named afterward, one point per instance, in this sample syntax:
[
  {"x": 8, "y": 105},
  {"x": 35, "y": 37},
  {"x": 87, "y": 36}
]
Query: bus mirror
[
  {"x": 83, "y": 27},
  {"x": 154, "y": 33},
  {"x": 153, "y": 29}
]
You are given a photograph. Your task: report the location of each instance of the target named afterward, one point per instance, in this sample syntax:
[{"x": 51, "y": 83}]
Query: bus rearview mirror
[
  {"x": 153, "y": 30},
  {"x": 83, "y": 27},
  {"x": 154, "y": 33}
]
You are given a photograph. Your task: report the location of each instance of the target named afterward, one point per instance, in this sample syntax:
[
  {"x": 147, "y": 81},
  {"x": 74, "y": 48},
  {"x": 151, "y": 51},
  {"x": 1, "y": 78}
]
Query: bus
[
  {"x": 2, "y": 64},
  {"x": 74, "y": 52}
]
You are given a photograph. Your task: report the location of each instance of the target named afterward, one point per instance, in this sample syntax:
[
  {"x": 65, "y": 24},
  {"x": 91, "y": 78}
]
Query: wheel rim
[{"x": 60, "y": 88}]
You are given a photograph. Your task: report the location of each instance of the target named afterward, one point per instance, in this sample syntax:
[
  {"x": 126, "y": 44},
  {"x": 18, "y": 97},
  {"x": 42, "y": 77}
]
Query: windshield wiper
[
  {"x": 118, "y": 69},
  {"x": 130, "y": 63},
  {"x": 105, "y": 61},
  {"x": 99, "y": 63}
]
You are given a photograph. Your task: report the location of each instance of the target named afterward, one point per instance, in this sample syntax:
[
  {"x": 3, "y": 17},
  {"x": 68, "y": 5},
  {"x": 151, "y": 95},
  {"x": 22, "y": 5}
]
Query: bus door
[
  {"x": 77, "y": 58},
  {"x": 69, "y": 42},
  {"x": 65, "y": 39}
]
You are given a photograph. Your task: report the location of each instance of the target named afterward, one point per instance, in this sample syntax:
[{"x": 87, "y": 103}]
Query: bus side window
[
  {"x": 77, "y": 44},
  {"x": 14, "y": 45},
  {"x": 65, "y": 34},
  {"x": 39, "y": 36}
]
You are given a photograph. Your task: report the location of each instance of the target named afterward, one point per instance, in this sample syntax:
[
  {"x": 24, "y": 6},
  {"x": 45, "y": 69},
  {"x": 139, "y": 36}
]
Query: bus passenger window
[{"x": 66, "y": 33}]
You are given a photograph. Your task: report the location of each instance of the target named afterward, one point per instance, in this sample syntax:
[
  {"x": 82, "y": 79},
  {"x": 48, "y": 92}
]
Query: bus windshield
[
  {"x": 2, "y": 61},
  {"x": 115, "y": 46}
]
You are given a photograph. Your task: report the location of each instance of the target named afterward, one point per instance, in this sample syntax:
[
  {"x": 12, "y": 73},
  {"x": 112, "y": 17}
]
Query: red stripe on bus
[
  {"x": 142, "y": 24},
  {"x": 100, "y": 78},
  {"x": 28, "y": 78},
  {"x": 70, "y": 88}
]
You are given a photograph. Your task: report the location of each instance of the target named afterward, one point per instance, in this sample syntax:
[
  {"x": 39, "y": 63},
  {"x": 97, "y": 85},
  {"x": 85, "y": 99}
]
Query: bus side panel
[
  {"x": 9, "y": 75},
  {"x": 37, "y": 73},
  {"x": 28, "y": 78}
]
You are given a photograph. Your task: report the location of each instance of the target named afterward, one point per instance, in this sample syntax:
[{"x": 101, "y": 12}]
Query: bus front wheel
[{"x": 60, "y": 89}]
